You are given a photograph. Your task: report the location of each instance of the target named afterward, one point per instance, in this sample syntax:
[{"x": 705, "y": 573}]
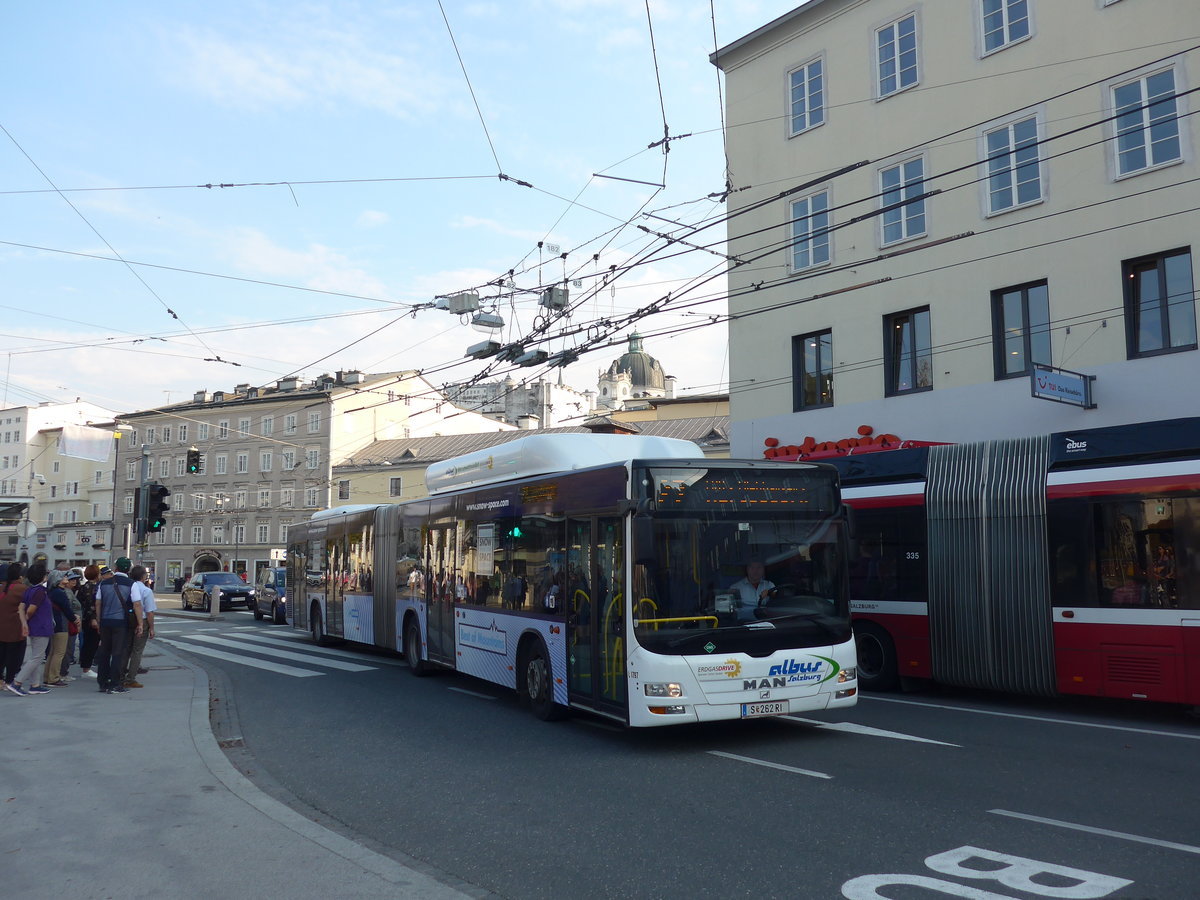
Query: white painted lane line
[
  {"x": 852, "y": 728},
  {"x": 1050, "y": 719},
  {"x": 325, "y": 651},
  {"x": 471, "y": 693},
  {"x": 769, "y": 765},
  {"x": 277, "y": 668},
  {"x": 283, "y": 654},
  {"x": 1170, "y": 845}
]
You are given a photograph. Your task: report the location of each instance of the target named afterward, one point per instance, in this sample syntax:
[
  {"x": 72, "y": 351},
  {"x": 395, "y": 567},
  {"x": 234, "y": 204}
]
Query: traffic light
[
  {"x": 156, "y": 507},
  {"x": 193, "y": 461}
]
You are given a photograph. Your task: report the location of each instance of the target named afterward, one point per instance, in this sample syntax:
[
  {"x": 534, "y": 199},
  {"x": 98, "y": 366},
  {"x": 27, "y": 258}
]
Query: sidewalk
[{"x": 129, "y": 796}]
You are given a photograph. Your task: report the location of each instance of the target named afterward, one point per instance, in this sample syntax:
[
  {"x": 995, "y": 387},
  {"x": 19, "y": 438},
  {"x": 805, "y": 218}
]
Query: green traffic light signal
[
  {"x": 193, "y": 462},
  {"x": 156, "y": 507}
]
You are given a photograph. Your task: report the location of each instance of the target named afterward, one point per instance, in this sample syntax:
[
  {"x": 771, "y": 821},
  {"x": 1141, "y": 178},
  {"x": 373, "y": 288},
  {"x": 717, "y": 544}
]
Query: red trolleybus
[
  {"x": 599, "y": 572},
  {"x": 1067, "y": 563}
]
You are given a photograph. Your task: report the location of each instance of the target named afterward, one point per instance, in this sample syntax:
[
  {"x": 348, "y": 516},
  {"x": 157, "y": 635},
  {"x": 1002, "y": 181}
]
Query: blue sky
[{"x": 126, "y": 107}]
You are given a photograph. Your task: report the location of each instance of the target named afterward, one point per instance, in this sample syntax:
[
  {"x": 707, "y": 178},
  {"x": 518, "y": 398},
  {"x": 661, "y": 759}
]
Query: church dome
[{"x": 644, "y": 371}]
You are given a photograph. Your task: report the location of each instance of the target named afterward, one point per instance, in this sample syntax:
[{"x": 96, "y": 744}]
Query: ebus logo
[{"x": 1074, "y": 446}]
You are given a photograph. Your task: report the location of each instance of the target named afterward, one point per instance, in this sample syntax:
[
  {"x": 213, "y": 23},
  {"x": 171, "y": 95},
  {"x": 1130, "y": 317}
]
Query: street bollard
[{"x": 214, "y": 601}]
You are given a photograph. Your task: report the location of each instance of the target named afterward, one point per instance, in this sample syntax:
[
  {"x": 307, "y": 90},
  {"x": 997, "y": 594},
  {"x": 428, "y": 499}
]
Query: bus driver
[{"x": 752, "y": 591}]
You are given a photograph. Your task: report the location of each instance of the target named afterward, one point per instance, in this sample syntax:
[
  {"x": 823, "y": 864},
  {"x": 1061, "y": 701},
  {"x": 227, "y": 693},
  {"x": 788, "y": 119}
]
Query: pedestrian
[
  {"x": 59, "y": 583},
  {"x": 145, "y": 596},
  {"x": 89, "y": 628},
  {"x": 36, "y": 609},
  {"x": 13, "y": 630},
  {"x": 74, "y": 627},
  {"x": 115, "y": 610}
]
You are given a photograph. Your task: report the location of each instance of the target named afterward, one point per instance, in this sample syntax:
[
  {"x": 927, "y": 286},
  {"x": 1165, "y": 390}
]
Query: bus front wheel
[
  {"x": 877, "y": 669},
  {"x": 412, "y": 649},
  {"x": 314, "y": 625},
  {"x": 539, "y": 684}
]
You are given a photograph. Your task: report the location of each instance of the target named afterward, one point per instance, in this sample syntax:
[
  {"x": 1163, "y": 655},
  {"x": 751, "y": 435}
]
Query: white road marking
[
  {"x": 472, "y": 693},
  {"x": 852, "y": 728},
  {"x": 277, "y": 668},
  {"x": 313, "y": 648},
  {"x": 1032, "y": 718},
  {"x": 1170, "y": 845},
  {"x": 769, "y": 765},
  {"x": 284, "y": 654}
]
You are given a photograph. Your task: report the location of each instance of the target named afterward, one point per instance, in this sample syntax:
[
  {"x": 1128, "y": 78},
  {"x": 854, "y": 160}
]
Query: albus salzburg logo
[{"x": 795, "y": 671}]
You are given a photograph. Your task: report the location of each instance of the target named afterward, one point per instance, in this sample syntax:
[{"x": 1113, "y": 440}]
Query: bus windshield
[{"x": 711, "y": 580}]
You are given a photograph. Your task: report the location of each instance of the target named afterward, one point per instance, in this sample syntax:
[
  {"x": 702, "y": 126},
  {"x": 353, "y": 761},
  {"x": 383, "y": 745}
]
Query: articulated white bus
[{"x": 599, "y": 572}]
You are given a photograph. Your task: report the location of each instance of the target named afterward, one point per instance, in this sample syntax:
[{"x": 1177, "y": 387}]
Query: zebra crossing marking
[
  {"x": 312, "y": 648},
  {"x": 285, "y": 654},
  {"x": 277, "y": 668}
]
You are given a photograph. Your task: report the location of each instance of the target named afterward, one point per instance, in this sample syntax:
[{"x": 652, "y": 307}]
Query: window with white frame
[
  {"x": 197, "y": 534},
  {"x": 239, "y": 534},
  {"x": 807, "y": 94},
  {"x": 97, "y": 475},
  {"x": 287, "y": 496},
  {"x": 202, "y": 431},
  {"x": 1004, "y": 22},
  {"x": 56, "y": 466},
  {"x": 181, "y": 466},
  {"x": 810, "y": 231},
  {"x": 243, "y": 463},
  {"x": 284, "y": 525},
  {"x": 164, "y": 468},
  {"x": 264, "y": 533},
  {"x": 312, "y": 458},
  {"x": 166, "y": 434},
  {"x": 198, "y": 502},
  {"x": 218, "y": 534},
  {"x": 50, "y": 519},
  {"x": 903, "y": 208},
  {"x": 176, "y": 534},
  {"x": 1146, "y": 123},
  {"x": 1013, "y": 159},
  {"x": 129, "y": 505},
  {"x": 264, "y": 461},
  {"x": 239, "y": 499},
  {"x": 183, "y": 433},
  {"x": 268, "y": 426},
  {"x": 222, "y": 464},
  {"x": 264, "y": 497},
  {"x": 288, "y": 460},
  {"x": 151, "y": 434},
  {"x": 896, "y": 55},
  {"x": 289, "y": 424},
  {"x": 314, "y": 422},
  {"x": 131, "y": 470},
  {"x": 310, "y": 497},
  {"x": 243, "y": 427},
  {"x": 223, "y": 429}
]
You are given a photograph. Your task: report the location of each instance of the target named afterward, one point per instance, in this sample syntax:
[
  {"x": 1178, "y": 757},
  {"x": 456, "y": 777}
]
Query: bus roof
[{"x": 544, "y": 454}]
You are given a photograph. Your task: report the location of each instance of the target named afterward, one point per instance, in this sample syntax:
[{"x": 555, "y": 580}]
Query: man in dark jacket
[{"x": 114, "y": 605}]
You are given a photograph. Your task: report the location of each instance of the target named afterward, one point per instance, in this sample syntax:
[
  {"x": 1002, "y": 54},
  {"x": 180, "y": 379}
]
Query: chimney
[
  {"x": 289, "y": 383},
  {"x": 201, "y": 397},
  {"x": 527, "y": 422}
]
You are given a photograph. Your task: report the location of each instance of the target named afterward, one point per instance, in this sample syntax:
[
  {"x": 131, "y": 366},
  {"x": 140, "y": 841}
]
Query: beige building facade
[{"x": 932, "y": 199}]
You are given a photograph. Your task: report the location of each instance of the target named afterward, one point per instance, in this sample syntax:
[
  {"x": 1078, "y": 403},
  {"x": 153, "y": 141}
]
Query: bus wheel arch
[
  {"x": 878, "y": 669},
  {"x": 535, "y": 679},
  {"x": 315, "y": 624},
  {"x": 412, "y": 646}
]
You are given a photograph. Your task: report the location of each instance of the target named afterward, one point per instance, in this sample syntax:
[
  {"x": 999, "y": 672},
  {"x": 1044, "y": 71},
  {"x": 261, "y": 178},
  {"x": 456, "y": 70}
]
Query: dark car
[
  {"x": 270, "y": 596},
  {"x": 234, "y": 591}
]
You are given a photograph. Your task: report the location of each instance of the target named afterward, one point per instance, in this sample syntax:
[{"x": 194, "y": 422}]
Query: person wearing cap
[
  {"x": 72, "y": 581},
  {"x": 143, "y": 595},
  {"x": 114, "y": 602},
  {"x": 61, "y": 585}
]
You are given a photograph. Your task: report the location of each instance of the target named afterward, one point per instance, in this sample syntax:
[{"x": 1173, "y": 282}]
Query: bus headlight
[
  {"x": 663, "y": 689},
  {"x": 850, "y": 673}
]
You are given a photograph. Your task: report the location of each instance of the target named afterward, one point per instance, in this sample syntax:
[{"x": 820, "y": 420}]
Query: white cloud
[{"x": 372, "y": 218}]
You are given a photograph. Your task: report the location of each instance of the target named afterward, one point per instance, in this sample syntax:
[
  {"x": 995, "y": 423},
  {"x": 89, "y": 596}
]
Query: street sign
[{"x": 1062, "y": 386}]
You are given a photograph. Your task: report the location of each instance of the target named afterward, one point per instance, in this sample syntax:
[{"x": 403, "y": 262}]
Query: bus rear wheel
[
  {"x": 412, "y": 649},
  {"x": 315, "y": 626},
  {"x": 539, "y": 685},
  {"x": 877, "y": 669}
]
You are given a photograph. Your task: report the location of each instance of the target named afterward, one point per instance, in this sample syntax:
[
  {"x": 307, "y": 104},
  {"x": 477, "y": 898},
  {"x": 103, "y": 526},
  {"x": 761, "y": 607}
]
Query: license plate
[{"x": 754, "y": 710}]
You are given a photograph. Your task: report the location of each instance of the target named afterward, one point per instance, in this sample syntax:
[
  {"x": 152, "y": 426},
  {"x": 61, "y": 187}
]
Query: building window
[
  {"x": 343, "y": 490},
  {"x": 129, "y": 505},
  {"x": 202, "y": 431},
  {"x": 131, "y": 470},
  {"x": 151, "y": 434},
  {"x": 902, "y": 216},
  {"x": 264, "y": 461},
  {"x": 812, "y": 367},
  {"x": 314, "y": 423},
  {"x": 222, "y": 430},
  {"x": 810, "y": 231},
  {"x": 1147, "y": 125},
  {"x": 181, "y": 467},
  {"x": 268, "y": 426},
  {"x": 239, "y": 534},
  {"x": 907, "y": 352},
  {"x": 283, "y": 531},
  {"x": 243, "y": 463},
  {"x": 289, "y": 424},
  {"x": 1014, "y": 172},
  {"x": 176, "y": 534},
  {"x": 1160, "y": 307},
  {"x": 197, "y": 502},
  {"x": 264, "y": 533},
  {"x": 164, "y": 468},
  {"x": 239, "y": 499},
  {"x": 896, "y": 55},
  {"x": 1004, "y": 22},
  {"x": 197, "y": 534},
  {"x": 243, "y": 427},
  {"x": 808, "y": 96},
  {"x": 395, "y": 487},
  {"x": 1021, "y": 329},
  {"x": 218, "y": 534},
  {"x": 287, "y": 496},
  {"x": 288, "y": 460},
  {"x": 183, "y": 433},
  {"x": 310, "y": 497},
  {"x": 166, "y": 432},
  {"x": 222, "y": 464},
  {"x": 264, "y": 498},
  {"x": 312, "y": 458}
]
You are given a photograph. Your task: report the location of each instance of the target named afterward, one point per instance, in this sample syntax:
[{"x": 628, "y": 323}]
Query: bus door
[
  {"x": 595, "y": 615},
  {"x": 439, "y": 591}
]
